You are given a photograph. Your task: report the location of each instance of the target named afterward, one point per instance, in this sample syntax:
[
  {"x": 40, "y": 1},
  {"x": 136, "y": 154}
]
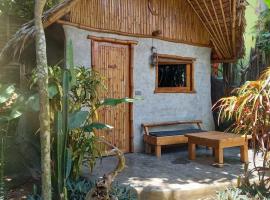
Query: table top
[{"x": 215, "y": 135}]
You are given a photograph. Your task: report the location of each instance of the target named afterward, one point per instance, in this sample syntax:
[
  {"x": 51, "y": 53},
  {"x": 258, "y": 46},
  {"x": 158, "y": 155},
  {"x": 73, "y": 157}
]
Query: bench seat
[
  {"x": 165, "y": 137},
  {"x": 175, "y": 132}
]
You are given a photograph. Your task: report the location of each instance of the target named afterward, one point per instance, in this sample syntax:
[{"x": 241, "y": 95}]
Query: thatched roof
[
  {"x": 225, "y": 22},
  {"x": 21, "y": 38},
  {"x": 223, "y": 19}
]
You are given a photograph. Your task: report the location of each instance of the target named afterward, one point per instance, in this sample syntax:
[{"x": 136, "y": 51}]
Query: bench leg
[
  {"x": 147, "y": 148},
  {"x": 219, "y": 155},
  {"x": 158, "y": 150},
  {"x": 191, "y": 151},
  {"x": 213, "y": 152},
  {"x": 244, "y": 153}
]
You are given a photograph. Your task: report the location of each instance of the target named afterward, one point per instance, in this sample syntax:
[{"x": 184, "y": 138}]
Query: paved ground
[{"x": 174, "y": 177}]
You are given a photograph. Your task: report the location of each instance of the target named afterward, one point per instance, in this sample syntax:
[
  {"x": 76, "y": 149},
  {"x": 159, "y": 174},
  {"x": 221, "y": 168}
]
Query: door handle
[{"x": 112, "y": 66}]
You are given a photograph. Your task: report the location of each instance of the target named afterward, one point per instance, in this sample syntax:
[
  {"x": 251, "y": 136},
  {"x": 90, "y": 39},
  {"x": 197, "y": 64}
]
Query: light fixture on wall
[
  {"x": 154, "y": 56},
  {"x": 154, "y": 52}
]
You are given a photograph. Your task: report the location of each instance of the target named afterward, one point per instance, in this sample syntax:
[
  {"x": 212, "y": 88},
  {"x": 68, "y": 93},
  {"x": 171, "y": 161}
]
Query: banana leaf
[
  {"x": 77, "y": 119},
  {"x": 96, "y": 125},
  {"x": 6, "y": 92},
  {"x": 115, "y": 102}
]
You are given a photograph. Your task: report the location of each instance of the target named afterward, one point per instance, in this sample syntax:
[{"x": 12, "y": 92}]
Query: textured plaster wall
[{"x": 156, "y": 107}]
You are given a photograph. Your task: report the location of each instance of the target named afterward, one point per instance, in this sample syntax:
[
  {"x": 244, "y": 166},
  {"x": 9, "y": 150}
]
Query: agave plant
[{"x": 249, "y": 107}]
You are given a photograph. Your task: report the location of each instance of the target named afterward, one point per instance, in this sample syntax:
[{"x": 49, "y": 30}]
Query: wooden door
[{"x": 113, "y": 62}]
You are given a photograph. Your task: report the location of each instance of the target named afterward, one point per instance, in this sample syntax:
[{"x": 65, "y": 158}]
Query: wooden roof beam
[{"x": 60, "y": 11}]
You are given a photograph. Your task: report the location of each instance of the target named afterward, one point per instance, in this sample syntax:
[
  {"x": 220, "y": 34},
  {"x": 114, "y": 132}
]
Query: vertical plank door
[{"x": 112, "y": 61}]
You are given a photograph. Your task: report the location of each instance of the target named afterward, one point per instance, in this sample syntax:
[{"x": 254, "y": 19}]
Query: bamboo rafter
[
  {"x": 224, "y": 20},
  {"x": 220, "y": 18},
  {"x": 219, "y": 32},
  {"x": 219, "y": 53},
  {"x": 209, "y": 27}
]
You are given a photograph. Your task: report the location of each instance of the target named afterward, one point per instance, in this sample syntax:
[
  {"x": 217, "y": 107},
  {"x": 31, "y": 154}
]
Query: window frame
[{"x": 171, "y": 59}]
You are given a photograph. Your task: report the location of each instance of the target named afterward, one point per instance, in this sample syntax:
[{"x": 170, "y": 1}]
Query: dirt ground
[{"x": 21, "y": 192}]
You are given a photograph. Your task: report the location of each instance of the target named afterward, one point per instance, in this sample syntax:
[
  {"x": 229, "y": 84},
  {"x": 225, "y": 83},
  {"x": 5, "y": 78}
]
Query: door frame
[{"x": 131, "y": 44}]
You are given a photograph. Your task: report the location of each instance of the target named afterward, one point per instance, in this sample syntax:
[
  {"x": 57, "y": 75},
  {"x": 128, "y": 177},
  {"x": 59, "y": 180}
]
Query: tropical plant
[
  {"x": 83, "y": 104},
  {"x": 74, "y": 102},
  {"x": 262, "y": 31},
  {"x": 78, "y": 189},
  {"x": 22, "y": 9},
  {"x": 11, "y": 104},
  {"x": 249, "y": 107},
  {"x": 253, "y": 192}
]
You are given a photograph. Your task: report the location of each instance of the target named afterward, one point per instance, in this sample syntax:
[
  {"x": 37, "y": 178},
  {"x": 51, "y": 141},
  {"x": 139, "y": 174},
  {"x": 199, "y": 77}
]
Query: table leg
[
  {"x": 158, "y": 151},
  {"x": 244, "y": 153},
  {"x": 219, "y": 155},
  {"x": 191, "y": 151}
]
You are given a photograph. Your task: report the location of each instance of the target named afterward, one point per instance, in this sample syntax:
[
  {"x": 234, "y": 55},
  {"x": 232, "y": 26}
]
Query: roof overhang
[{"x": 223, "y": 19}]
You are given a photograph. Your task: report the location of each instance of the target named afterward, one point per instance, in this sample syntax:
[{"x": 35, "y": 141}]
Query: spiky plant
[{"x": 249, "y": 108}]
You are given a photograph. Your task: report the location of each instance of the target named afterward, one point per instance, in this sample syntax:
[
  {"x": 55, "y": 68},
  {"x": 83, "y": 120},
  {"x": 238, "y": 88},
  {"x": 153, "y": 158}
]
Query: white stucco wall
[{"x": 156, "y": 107}]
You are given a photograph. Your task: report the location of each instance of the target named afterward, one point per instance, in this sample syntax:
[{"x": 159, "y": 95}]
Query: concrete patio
[{"x": 174, "y": 177}]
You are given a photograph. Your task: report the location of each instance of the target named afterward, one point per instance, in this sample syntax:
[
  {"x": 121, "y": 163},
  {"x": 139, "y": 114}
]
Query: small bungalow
[{"x": 161, "y": 50}]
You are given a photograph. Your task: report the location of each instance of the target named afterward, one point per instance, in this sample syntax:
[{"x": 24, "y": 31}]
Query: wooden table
[{"x": 218, "y": 141}]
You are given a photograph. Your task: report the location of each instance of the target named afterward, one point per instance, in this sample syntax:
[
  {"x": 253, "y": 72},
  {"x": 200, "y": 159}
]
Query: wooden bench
[{"x": 162, "y": 138}]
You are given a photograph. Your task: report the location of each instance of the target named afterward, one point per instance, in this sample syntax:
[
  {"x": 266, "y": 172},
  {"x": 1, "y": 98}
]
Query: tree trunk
[{"x": 44, "y": 116}]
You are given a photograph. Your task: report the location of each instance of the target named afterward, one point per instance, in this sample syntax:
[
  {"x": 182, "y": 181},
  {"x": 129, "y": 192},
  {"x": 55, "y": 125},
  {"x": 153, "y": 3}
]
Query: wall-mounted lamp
[{"x": 154, "y": 56}]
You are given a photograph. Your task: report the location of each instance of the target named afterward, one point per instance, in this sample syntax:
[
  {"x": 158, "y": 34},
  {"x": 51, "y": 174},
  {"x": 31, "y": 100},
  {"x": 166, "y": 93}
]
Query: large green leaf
[
  {"x": 68, "y": 162},
  {"x": 10, "y": 116},
  {"x": 15, "y": 113},
  {"x": 53, "y": 90},
  {"x": 115, "y": 102},
  {"x": 77, "y": 119},
  {"x": 267, "y": 2},
  {"x": 59, "y": 151},
  {"x": 70, "y": 62},
  {"x": 6, "y": 92},
  {"x": 73, "y": 74},
  {"x": 96, "y": 125}
]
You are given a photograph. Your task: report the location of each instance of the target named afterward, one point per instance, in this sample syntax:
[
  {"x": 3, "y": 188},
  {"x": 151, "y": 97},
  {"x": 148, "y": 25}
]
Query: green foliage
[
  {"x": 115, "y": 102},
  {"x": 22, "y": 9},
  {"x": 35, "y": 195},
  {"x": 11, "y": 105},
  {"x": 78, "y": 189},
  {"x": 77, "y": 119},
  {"x": 267, "y": 2},
  {"x": 253, "y": 192},
  {"x": 123, "y": 192},
  {"x": 98, "y": 126},
  {"x": 250, "y": 109},
  {"x": 262, "y": 29},
  {"x": 6, "y": 92},
  {"x": 74, "y": 103},
  {"x": 232, "y": 194}
]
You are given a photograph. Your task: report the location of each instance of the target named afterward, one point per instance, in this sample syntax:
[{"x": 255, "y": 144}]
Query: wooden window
[{"x": 174, "y": 74}]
